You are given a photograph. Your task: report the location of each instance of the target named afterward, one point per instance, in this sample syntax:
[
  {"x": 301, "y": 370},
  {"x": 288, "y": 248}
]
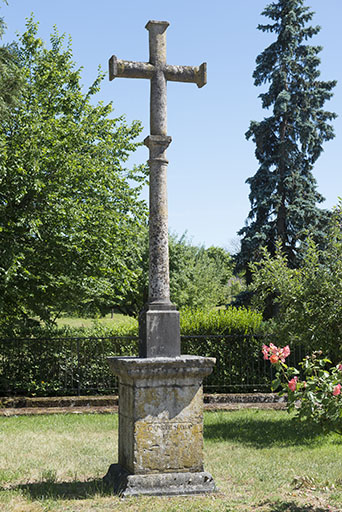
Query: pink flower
[
  {"x": 273, "y": 348},
  {"x": 274, "y": 354},
  {"x": 337, "y": 390},
  {"x": 339, "y": 367},
  {"x": 293, "y": 383},
  {"x": 265, "y": 350},
  {"x": 283, "y": 353},
  {"x": 286, "y": 351}
]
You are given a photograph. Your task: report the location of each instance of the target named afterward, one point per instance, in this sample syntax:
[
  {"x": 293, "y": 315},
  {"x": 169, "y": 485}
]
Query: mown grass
[
  {"x": 117, "y": 320},
  {"x": 193, "y": 321},
  {"x": 260, "y": 460}
]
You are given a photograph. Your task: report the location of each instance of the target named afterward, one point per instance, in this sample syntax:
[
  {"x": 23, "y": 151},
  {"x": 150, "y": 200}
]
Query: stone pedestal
[
  {"x": 159, "y": 331},
  {"x": 160, "y": 426}
]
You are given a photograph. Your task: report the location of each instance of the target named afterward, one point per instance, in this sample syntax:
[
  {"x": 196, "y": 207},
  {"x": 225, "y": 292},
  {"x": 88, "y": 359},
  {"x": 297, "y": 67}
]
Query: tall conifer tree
[{"x": 283, "y": 192}]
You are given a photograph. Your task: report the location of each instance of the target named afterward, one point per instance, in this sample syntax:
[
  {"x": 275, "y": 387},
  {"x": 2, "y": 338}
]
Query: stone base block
[
  {"x": 160, "y": 425},
  {"x": 158, "y": 484},
  {"x": 159, "y": 331}
]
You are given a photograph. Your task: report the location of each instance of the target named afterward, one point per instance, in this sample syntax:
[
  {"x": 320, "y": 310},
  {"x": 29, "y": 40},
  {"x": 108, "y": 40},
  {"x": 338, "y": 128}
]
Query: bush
[
  {"x": 65, "y": 360},
  {"x": 61, "y": 366},
  {"x": 314, "y": 391},
  {"x": 308, "y": 300},
  {"x": 72, "y": 360},
  {"x": 199, "y": 277},
  {"x": 232, "y": 336}
]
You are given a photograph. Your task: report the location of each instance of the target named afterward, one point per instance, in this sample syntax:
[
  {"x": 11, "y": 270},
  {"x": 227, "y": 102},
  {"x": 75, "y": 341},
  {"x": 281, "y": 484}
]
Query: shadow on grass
[
  {"x": 66, "y": 490},
  {"x": 294, "y": 507},
  {"x": 262, "y": 432}
]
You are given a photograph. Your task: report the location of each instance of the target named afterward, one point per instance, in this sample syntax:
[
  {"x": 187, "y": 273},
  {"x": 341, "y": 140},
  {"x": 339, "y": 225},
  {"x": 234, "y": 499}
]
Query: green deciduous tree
[
  {"x": 283, "y": 192},
  {"x": 308, "y": 299},
  {"x": 199, "y": 277},
  {"x": 69, "y": 209},
  {"x": 11, "y": 79}
]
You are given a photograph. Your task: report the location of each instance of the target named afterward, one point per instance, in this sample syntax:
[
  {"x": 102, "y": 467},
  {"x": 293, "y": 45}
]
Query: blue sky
[{"x": 209, "y": 158}]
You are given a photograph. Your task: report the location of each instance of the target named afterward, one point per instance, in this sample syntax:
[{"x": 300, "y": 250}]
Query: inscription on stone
[{"x": 167, "y": 427}]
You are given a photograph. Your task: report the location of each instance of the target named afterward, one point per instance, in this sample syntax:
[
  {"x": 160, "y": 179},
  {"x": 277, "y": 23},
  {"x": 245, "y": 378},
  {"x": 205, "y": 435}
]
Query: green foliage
[
  {"x": 231, "y": 336},
  {"x": 314, "y": 393},
  {"x": 97, "y": 330},
  {"x": 58, "y": 366},
  {"x": 309, "y": 299},
  {"x": 70, "y": 211},
  {"x": 198, "y": 277},
  {"x": 11, "y": 80},
  {"x": 283, "y": 191},
  {"x": 239, "y": 321},
  {"x": 64, "y": 360},
  {"x": 220, "y": 321}
]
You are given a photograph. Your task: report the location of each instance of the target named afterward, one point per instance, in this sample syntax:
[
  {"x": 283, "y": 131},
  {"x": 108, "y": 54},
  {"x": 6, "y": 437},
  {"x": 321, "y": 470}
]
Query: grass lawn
[
  {"x": 118, "y": 320},
  {"x": 261, "y": 461}
]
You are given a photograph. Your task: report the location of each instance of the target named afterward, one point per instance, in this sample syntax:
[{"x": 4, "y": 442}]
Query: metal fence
[{"x": 78, "y": 366}]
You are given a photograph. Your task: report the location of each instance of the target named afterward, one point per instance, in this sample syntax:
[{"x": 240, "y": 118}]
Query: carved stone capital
[{"x": 157, "y": 145}]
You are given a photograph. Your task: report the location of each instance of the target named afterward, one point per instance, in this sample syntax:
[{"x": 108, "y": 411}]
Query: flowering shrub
[{"x": 314, "y": 392}]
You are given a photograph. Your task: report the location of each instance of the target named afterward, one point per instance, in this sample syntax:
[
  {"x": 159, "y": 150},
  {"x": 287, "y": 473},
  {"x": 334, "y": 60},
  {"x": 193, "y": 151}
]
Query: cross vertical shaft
[
  {"x": 157, "y": 142},
  {"x": 159, "y": 322},
  {"x": 158, "y": 98}
]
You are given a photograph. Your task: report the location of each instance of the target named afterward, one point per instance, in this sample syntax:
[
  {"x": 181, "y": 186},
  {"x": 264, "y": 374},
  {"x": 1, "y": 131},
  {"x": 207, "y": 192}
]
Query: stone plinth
[
  {"x": 159, "y": 331},
  {"x": 160, "y": 426}
]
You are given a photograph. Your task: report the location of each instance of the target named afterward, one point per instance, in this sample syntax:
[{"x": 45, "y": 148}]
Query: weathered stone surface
[
  {"x": 161, "y": 402},
  {"x": 159, "y": 331},
  {"x": 161, "y": 484},
  {"x": 161, "y": 415},
  {"x": 159, "y": 282},
  {"x": 162, "y": 367},
  {"x": 153, "y": 342}
]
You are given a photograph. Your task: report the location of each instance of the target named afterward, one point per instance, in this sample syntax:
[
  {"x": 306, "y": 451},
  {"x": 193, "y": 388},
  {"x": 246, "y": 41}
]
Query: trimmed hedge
[
  {"x": 234, "y": 337},
  {"x": 220, "y": 321},
  {"x": 60, "y": 366},
  {"x": 72, "y": 360},
  {"x": 232, "y": 320}
]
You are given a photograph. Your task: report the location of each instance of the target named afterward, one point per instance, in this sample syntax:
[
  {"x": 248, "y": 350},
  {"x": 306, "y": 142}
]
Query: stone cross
[
  {"x": 159, "y": 323},
  {"x": 160, "y": 392}
]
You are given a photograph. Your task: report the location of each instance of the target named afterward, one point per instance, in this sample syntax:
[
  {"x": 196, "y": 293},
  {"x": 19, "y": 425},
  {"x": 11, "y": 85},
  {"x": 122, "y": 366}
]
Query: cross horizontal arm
[
  {"x": 129, "y": 69},
  {"x": 193, "y": 74}
]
